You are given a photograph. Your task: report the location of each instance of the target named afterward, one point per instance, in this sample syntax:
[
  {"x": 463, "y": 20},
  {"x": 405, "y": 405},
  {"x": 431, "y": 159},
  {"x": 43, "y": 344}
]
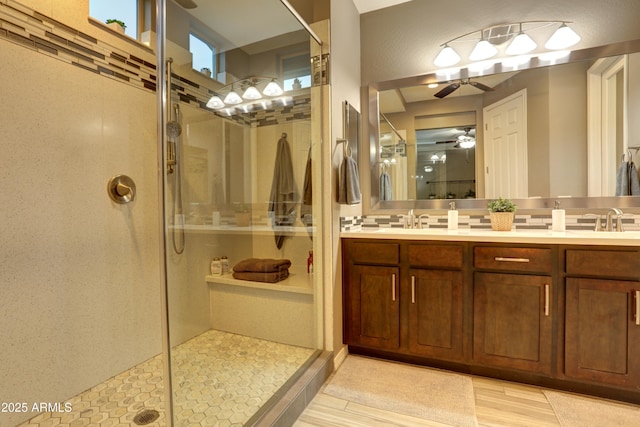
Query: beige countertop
[{"x": 570, "y": 237}]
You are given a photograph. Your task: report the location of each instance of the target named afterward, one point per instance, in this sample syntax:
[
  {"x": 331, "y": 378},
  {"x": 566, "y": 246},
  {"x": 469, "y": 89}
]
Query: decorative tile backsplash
[
  {"x": 40, "y": 33},
  {"x": 521, "y": 222}
]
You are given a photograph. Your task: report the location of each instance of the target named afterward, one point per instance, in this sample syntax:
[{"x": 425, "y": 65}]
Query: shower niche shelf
[{"x": 254, "y": 230}]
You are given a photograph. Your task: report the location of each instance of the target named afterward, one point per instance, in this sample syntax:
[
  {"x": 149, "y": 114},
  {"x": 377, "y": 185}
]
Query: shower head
[{"x": 174, "y": 129}]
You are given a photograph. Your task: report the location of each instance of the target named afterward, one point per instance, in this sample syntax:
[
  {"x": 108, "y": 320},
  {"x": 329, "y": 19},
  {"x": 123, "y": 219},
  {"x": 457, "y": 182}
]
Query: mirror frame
[{"x": 371, "y": 128}]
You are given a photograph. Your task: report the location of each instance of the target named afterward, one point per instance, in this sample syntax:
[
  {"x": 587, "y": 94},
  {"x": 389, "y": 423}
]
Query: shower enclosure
[
  {"x": 235, "y": 338},
  {"x": 112, "y": 213}
]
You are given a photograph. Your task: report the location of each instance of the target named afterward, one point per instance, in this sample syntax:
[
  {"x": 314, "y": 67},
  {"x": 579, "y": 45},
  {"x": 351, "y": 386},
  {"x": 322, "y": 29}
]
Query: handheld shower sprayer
[{"x": 174, "y": 130}]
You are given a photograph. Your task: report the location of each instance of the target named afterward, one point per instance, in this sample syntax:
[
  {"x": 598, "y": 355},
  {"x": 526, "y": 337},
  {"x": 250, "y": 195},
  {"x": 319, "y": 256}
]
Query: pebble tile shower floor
[{"x": 220, "y": 379}]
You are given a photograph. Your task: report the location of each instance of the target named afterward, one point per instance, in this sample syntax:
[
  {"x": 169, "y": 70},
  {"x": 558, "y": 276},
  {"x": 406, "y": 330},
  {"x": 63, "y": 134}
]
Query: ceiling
[
  {"x": 365, "y": 6},
  {"x": 396, "y": 100}
]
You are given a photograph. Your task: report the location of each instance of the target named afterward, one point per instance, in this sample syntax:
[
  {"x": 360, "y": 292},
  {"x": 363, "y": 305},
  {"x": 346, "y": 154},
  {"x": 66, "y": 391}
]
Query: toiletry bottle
[
  {"x": 310, "y": 263},
  {"x": 216, "y": 266},
  {"x": 224, "y": 265},
  {"x": 452, "y": 217},
  {"x": 557, "y": 218}
]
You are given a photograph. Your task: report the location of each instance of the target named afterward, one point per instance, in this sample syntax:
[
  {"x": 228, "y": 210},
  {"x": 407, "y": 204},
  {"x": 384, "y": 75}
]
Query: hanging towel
[
  {"x": 385, "y": 187},
  {"x": 348, "y": 182},
  {"x": 634, "y": 181},
  {"x": 622, "y": 179},
  {"x": 281, "y": 200},
  {"x": 307, "y": 194}
]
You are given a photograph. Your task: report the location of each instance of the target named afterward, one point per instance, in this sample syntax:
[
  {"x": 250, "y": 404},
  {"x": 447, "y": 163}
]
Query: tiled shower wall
[
  {"x": 520, "y": 222},
  {"x": 79, "y": 274}
]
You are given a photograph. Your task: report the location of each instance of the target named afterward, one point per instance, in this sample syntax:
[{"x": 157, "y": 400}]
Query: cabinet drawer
[
  {"x": 374, "y": 253},
  {"x": 623, "y": 264},
  {"x": 451, "y": 256},
  {"x": 512, "y": 259}
]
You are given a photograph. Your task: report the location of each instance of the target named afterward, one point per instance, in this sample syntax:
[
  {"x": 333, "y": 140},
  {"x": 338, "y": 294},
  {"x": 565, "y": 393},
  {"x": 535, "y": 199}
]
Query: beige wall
[
  {"x": 403, "y": 40},
  {"x": 79, "y": 273},
  {"x": 345, "y": 86}
]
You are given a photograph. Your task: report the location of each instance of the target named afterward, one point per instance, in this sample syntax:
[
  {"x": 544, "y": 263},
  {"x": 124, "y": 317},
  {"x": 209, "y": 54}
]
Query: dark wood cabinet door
[
  {"x": 512, "y": 321},
  {"x": 602, "y": 339},
  {"x": 435, "y": 313},
  {"x": 373, "y": 301}
]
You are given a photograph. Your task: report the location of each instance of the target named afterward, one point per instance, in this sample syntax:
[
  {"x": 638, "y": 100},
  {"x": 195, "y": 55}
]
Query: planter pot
[
  {"x": 501, "y": 221},
  {"x": 116, "y": 27},
  {"x": 243, "y": 219}
]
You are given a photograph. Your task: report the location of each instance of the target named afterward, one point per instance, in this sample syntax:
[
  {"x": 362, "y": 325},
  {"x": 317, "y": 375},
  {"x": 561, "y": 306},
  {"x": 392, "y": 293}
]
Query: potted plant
[
  {"x": 501, "y": 212},
  {"x": 243, "y": 216},
  {"x": 117, "y": 25}
]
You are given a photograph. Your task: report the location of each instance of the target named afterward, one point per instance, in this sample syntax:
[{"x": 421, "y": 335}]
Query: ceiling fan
[{"x": 454, "y": 86}]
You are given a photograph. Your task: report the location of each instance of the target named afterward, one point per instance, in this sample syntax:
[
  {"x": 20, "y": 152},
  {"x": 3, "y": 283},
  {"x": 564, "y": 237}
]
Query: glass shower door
[{"x": 242, "y": 198}]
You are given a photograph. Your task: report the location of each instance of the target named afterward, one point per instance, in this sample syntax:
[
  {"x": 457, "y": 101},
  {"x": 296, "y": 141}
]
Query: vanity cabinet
[
  {"x": 436, "y": 303},
  {"x": 371, "y": 300},
  {"x": 602, "y": 325},
  {"x": 404, "y": 297},
  {"x": 559, "y": 315},
  {"x": 512, "y": 322}
]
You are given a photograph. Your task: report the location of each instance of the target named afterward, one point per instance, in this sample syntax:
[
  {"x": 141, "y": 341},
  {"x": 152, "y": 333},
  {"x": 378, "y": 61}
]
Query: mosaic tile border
[
  {"x": 40, "y": 33},
  {"x": 479, "y": 222}
]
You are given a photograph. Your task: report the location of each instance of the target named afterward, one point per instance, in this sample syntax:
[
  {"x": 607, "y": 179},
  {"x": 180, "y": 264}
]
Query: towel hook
[{"x": 346, "y": 149}]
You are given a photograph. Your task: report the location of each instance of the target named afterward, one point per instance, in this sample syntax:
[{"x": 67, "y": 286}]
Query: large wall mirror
[{"x": 535, "y": 134}]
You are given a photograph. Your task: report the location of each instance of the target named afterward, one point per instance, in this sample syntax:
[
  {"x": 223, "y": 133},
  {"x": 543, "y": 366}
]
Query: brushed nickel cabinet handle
[
  {"x": 637, "y": 313},
  {"x": 393, "y": 287},
  {"x": 413, "y": 289},
  {"x": 507, "y": 259},
  {"x": 546, "y": 299}
]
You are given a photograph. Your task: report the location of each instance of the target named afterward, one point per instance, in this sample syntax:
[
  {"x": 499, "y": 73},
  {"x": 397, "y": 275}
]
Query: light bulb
[
  {"x": 251, "y": 93},
  {"x": 521, "y": 44},
  {"x": 272, "y": 89},
  {"x": 483, "y": 50},
  {"x": 215, "y": 102},
  {"x": 232, "y": 98},
  {"x": 562, "y": 38},
  {"x": 447, "y": 57}
]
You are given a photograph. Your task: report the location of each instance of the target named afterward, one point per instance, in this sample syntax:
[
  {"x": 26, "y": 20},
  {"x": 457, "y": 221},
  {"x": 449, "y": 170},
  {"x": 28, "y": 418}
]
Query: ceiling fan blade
[
  {"x": 447, "y": 90},
  {"x": 187, "y": 4},
  {"x": 481, "y": 86}
]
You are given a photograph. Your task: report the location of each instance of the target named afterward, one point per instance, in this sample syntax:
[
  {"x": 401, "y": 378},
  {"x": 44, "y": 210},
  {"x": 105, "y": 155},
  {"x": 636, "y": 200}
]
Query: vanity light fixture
[
  {"x": 232, "y": 98},
  {"x": 514, "y": 39},
  {"x": 483, "y": 50},
  {"x": 562, "y": 38},
  {"x": 227, "y": 100},
  {"x": 521, "y": 44},
  {"x": 447, "y": 57}
]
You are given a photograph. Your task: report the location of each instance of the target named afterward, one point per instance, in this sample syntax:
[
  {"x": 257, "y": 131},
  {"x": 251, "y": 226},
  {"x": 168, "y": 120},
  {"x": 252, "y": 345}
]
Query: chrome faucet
[
  {"x": 618, "y": 213},
  {"x": 408, "y": 219},
  {"x": 411, "y": 219},
  {"x": 420, "y": 220}
]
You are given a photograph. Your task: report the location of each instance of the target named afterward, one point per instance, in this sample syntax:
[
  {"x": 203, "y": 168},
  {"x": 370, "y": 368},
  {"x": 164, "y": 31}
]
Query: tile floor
[
  {"x": 220, "y": 379},
  {"x": 498, "y": 404}
]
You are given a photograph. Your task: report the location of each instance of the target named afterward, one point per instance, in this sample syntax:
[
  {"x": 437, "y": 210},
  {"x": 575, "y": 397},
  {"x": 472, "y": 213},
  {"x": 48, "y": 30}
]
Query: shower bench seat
[{"x": 281, "y": 312}]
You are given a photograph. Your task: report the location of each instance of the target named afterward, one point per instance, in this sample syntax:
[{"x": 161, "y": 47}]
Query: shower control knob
[{"x": 121, "y": 189}]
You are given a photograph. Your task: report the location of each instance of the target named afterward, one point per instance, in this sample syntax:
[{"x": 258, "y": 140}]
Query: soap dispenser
[
  {"x": 557, "y": 218},
  {"x": 452, "y": 217}
]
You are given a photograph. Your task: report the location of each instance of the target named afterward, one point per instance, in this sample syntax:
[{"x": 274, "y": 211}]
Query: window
[
  {"x": 122, "y": 10},
  {"x": 296, "y": 72},
  {"x": 203, "y": 55}
]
